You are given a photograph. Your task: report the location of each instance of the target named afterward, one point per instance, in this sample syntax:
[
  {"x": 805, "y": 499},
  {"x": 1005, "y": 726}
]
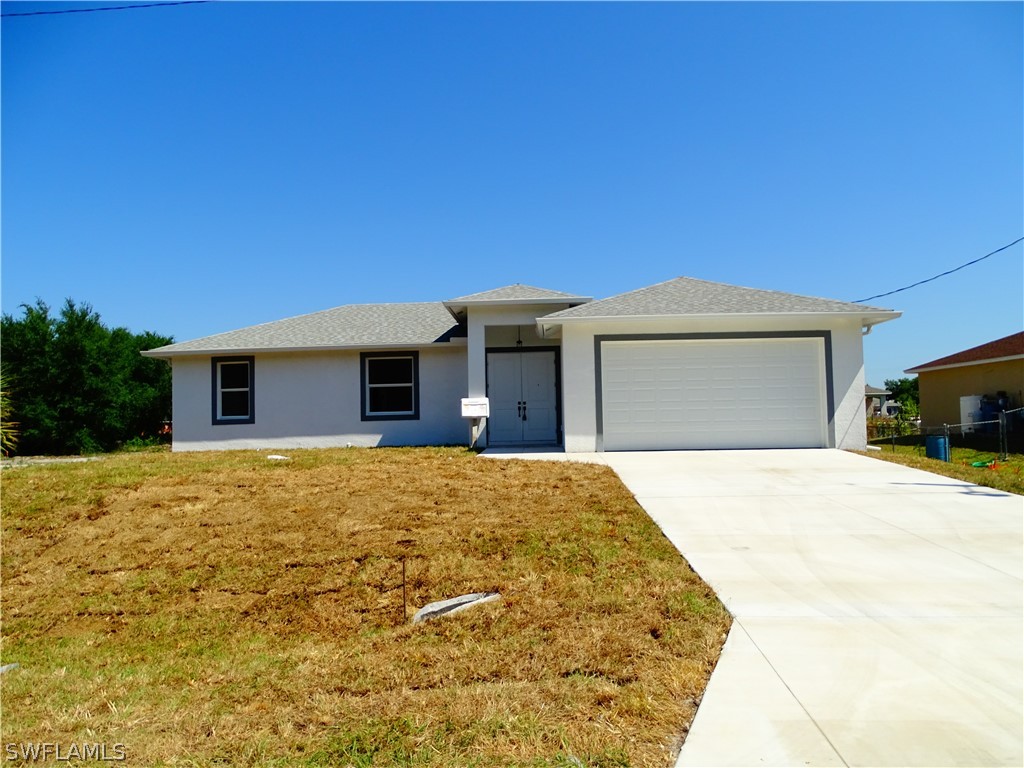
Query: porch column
[{"x": 476, "y": 355}]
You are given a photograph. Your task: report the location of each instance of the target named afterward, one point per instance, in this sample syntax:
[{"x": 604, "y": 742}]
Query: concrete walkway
[{"x": 878, "y": 609}]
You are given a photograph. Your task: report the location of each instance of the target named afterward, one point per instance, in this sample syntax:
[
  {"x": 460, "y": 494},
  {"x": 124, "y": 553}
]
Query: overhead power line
[
  {"x": 107, "y": 8},
  {"x": 950, "y": 272}
]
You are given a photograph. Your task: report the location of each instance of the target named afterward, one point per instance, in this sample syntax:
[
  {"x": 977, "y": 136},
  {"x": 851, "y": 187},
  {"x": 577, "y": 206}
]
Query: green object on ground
[{"x": 983, "y": 463}]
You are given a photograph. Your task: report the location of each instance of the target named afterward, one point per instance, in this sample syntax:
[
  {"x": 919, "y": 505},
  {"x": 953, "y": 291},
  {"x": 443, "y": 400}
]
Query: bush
[
  {"x": 883, "y": 427},
  {"x": 140, "y": 444}
]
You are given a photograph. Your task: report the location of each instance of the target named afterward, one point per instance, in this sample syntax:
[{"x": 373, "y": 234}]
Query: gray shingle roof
[
  {"x": 688, "y": 296},
  {"x": 352, "y": 325},
  {"x": 517, "y": 292},
  {"x": 423, "y": 323}
]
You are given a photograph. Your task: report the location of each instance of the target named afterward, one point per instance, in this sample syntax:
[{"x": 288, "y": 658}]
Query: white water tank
[{"x": 970, "y": 411}]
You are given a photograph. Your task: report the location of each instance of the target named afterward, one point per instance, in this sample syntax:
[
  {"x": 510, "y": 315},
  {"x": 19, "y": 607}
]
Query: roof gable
[
  {"x": 352, "y": 325},
  {"x": 1007, "y": 347},
  {"x": 689, "y": 296}
]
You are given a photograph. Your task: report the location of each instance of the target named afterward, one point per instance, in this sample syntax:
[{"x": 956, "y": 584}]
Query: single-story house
[
  {"x": 874, "y": 400},
  {"x": 681, "y": 364},
  {"x": 993, "y": 371}
]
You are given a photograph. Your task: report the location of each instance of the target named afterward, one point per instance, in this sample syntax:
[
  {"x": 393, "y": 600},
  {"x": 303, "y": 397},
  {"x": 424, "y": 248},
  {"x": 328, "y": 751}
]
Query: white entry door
[{"x": 521, "y": 389}]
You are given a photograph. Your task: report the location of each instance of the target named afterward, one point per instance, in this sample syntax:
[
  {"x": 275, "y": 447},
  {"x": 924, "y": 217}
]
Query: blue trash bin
[{"x": 937, "y": 447}]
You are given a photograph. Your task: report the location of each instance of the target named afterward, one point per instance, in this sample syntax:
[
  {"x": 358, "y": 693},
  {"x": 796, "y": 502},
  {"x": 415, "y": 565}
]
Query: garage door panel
[{"x": 665, "y": 394}]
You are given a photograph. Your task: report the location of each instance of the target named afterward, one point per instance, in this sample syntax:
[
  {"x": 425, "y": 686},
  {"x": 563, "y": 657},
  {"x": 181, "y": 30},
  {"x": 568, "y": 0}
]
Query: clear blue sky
[{"x": 199, "y": 168}]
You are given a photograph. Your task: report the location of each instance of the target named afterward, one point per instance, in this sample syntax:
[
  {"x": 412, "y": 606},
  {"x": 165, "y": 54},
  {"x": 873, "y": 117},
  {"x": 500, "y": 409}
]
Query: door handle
[
  {"x": 524, "y": 410},
  {"x": 519, "y": 409}
]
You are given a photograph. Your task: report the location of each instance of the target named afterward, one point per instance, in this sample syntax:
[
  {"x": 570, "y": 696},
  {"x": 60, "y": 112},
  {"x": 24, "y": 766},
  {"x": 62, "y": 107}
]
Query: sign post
[{"x": 477, "y": 409}]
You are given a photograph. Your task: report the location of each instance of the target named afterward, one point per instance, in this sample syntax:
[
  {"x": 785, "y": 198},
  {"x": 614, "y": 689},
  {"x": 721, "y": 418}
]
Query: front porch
[{"x": 512, "y": 364}]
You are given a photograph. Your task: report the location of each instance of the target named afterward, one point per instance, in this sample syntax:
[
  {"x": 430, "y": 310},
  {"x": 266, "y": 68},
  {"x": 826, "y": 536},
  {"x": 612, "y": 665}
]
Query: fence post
[{"x": 1004, "y": 446}]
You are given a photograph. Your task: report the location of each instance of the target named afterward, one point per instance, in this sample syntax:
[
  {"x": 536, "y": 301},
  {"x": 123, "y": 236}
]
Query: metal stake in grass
[{"x": 405, "y": 609}]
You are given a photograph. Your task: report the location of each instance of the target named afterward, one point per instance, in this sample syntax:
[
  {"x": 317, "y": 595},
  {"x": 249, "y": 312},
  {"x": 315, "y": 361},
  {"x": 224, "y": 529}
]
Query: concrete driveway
[{"x": 878, "y": 609}]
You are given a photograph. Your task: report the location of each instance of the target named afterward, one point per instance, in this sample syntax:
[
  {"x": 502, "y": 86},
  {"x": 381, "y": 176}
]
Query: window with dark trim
[
  {"x": 233, "y": 390},
  {"x": 390, "y": 385}
]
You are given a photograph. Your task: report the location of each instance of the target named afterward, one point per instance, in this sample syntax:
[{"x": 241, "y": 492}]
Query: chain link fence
[{"x": 1002, "y": 435}]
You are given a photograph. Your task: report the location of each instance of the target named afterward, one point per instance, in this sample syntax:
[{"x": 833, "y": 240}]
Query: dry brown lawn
[{"x": 223, "y": 609}]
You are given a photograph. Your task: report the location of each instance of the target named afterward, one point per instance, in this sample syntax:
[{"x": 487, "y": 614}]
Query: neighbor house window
[
  {"x": 391, "y": 388},
  {"x": 233, "y": 379}
]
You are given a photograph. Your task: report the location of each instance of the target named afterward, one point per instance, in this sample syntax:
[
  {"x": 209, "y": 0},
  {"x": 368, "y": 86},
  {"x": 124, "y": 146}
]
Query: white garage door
[{"x": 742, "y": 393}]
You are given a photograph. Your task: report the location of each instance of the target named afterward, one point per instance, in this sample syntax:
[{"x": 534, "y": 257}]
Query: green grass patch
[{"x": 1004, "y": 475}]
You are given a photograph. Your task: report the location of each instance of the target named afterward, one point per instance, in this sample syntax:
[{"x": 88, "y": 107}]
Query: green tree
[
  {"x": 78, "y": 386},
  {"x": 26, "y": 352},
  {"x": 905, "y": 391}
]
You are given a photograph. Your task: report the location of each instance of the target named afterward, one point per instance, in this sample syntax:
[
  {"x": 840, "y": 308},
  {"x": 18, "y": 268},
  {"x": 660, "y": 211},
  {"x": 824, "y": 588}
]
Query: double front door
[{"x": 521, "y": 387}]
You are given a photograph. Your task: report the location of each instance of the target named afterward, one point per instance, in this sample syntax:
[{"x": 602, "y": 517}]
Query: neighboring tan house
[
  {"x": 682, "y": 364},
  {"x": 993, "y": 371}
]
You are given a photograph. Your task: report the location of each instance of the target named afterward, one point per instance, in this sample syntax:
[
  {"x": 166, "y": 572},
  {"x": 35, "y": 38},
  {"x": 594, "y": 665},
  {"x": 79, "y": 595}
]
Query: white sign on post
[{"x": 475, "y": 408}]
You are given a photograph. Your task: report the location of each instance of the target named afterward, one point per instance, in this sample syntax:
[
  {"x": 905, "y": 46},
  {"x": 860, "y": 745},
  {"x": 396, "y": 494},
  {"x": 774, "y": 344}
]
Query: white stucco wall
[
  {"x": 578, "y": 372},
  {"x": 848, "y": 386},
  {"x": 312, "y": 400}
]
